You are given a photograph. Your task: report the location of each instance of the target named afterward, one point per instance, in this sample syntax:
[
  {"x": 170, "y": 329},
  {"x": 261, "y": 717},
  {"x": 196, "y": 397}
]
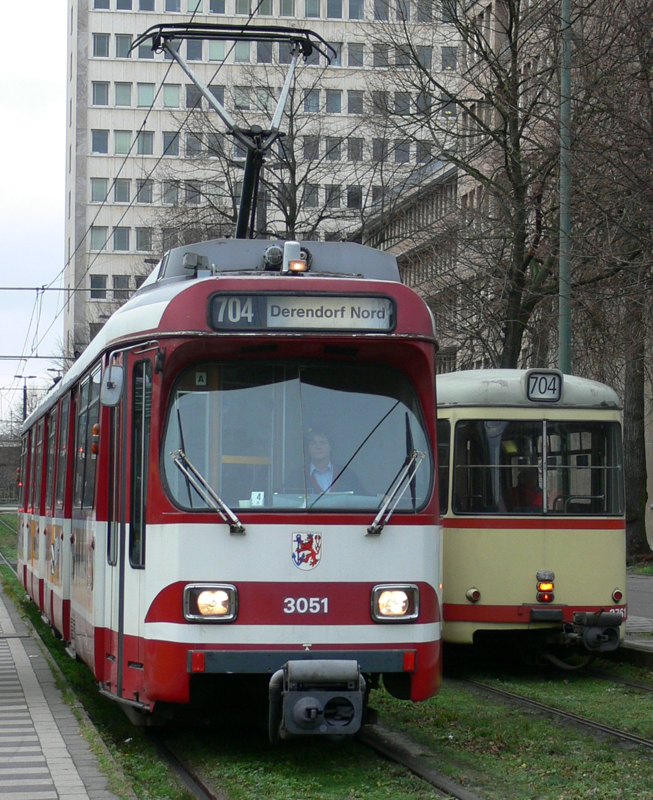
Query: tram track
[{"x": 567, "y": 716}]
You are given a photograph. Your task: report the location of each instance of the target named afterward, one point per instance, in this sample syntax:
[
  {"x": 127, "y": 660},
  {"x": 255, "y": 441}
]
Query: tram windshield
[
  {"x": 534, "y": 467},
  {"x": 295, "y": 437}
]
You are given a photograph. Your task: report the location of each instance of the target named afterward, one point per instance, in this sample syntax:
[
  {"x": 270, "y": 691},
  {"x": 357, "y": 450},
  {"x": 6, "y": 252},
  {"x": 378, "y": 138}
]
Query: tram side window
[
  {"x": 62, "y": 454},
  {"x": 584, "y": 468},
  {"x": 444, "y": 448},
  {"x": 35, "y": 483},
  {"x": 22, "y": 475},
  {"x": 52, "y": 440},
  {"x": 141, "y": 416},
  {"x": 85, "y": 459}
]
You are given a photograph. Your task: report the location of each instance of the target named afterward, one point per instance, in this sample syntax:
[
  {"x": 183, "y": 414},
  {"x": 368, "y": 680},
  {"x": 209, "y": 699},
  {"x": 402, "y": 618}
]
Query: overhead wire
[{"x": 149, "y": 174}]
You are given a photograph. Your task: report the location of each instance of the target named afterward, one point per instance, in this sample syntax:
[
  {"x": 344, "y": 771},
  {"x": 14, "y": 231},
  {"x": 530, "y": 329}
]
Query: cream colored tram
[{"x": 532, "y": 499}]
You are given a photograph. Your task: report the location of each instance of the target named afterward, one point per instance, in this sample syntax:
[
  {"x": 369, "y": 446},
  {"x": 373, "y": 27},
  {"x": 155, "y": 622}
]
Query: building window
[
  {"x": 214, "y": 145},
  {"x": 194, "y": 49},
  {"x": 403, "y": 10},
  {"x": 123, "y": 5},
  {"x": 120, "y": 239},
  {"x": 193, "y": 96},
  {"x": 334, "y": 9},
  {"x": 355, "y": 51},
  {"x": 120, "y": 284},
  {"x": 424, "y": 56},
  {"x": 100, "y": 93},
  {"x": 194, "y": 6},
  {"x": 380, "y": 104},
  {"x": 312, "y": 9},
  {"x": 145, "y": 143},
  {"x": 243, "y": 7},
  {"x": 381, "y": 10},
  {"x": 333, "y": 148},
  {"x": 99, "y": 141},
  {"x": 424, "y": 11},
  {"x": 121, "y": 190},
  {"x": 355, "y": 149},
  {"x": 170, "y": 143},
  {"x": 94, "y": 328},
  {"x": 241, "y": 53},
  {"x": 402, "y": 56},
  {"x": 123, "y": 43},
  {"x": 379, "y": 150},
  {"x": 99, "y": 286},
  {"x": 354, "y": 197},
  {"x": 173, "y": 5},
  {"x": 216, "y": 7},
  {"x": 146, "y": 5},
  {"x": 99, "y": 189},
  {"x": 263, "y": 52},
  {"x": 145, "y": 52},
  {"x": 217, "y": 51},
  {"x": 171, "y": 95},
  {"x": 311, "y": 148},
  {"x": 145, "y": 95},
  {"x": 402, "y": 152},
  {"x": 354, "y": 101},
  {"x": 333, "y": 101},
  {"x": 193, "y": 145},
  {"x": 332, "y": 195},
  {"x": 170, "y": 194},
  {"x": 242, "y": 98},
  {"x": 99, "y": 235},
  {"x": 449, "y": 59},
  {"x": 356, "y": 9},
  {"x": 144, "y": 190},
  {"x": 101, "y": 45},
  {"x": 402, "y": 103},
  {"x": 380, "y": 55},
  {"x": 122, "y": 142},
  {"x": 311, "y": 101},
  {"x": 101, "y": 5},
  {"x": 169, "y": 238},
  {"x": 123, "y": 93},
  {"x": 311, "y": 195},
  {"x": 448, "y": 11},
  {"x": 287, "y": 8},
  {"x": 264, "y": 8},
  {"x": 423, "y": 151},
  {"x": 192, "y": 195}
]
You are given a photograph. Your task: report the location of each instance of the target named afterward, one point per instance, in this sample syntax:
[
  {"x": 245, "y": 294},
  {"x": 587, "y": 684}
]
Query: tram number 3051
[
  {"x": 544, "y": 386},
  {"x": 306, "y": 605}
]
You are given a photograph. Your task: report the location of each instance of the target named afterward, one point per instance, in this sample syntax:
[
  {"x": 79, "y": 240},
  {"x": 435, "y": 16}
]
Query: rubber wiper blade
[
  {"x": 396, "y": 491},
  {"x": 206, "y": 491}
]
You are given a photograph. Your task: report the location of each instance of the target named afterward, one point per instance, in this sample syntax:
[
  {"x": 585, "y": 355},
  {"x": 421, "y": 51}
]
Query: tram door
[
  {"x": 128, "y": 502},
  {"x": 116, "y": 521}
]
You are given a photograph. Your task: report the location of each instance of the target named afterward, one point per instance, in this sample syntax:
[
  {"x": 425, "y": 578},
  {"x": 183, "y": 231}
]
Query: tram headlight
[
  {"x": 395, "y": 602},
  {"x": 210, "y": 602}
]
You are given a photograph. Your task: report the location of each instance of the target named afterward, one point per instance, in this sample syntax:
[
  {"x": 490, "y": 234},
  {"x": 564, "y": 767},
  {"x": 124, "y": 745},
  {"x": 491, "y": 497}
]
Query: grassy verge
[
  {"x": 506, "y": 754},
  {"x": 8, "y": 529}
]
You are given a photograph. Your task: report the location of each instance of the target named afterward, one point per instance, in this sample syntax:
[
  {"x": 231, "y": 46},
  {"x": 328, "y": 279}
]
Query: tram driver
[
  {"x": 526, "y": 495},
  {"x": 321, "y": 474}
]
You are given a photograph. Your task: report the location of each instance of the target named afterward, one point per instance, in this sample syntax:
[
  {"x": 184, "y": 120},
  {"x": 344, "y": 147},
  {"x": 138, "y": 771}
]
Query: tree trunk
[{"x": 634, "y": 441}]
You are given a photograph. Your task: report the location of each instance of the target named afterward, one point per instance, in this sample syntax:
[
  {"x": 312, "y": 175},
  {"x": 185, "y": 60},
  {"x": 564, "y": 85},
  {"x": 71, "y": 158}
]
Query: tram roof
[
  {"x": 507, "y": 387},
  {"x": 172, "y": 276},
  {"x": 223, "y": 256}
]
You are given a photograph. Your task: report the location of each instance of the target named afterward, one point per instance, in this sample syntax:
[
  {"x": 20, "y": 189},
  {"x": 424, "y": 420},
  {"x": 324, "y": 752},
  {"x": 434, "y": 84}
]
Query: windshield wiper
[
  {"x": 206, "y": 491},
  {"x": 396, "y": 490}
]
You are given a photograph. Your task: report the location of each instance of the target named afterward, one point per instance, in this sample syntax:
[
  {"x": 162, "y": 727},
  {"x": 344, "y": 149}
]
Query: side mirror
[{"x": 111, "y": 388}]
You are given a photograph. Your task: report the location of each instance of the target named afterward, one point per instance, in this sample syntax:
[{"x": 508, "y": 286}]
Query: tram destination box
[{"x": 302, "y": 312}]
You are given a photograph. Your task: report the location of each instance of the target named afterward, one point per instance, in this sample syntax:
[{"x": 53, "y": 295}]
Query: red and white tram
[
  {"x": 173, "y": 530},
  {"x": 531, "y": 483}
]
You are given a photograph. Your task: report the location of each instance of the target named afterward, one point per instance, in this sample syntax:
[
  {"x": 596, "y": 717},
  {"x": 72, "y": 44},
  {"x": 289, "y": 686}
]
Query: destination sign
[
  {"x": 544, "y": 386},
  {"x": 302, "y": 312}
]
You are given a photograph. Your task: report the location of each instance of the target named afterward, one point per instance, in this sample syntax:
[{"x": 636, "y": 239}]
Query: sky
[{"x": 32, "y": 198}]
